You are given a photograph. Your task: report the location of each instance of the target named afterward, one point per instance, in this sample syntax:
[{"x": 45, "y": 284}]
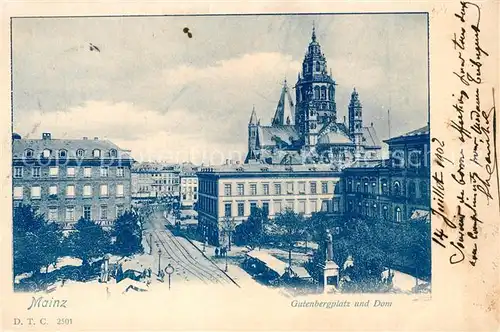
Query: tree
[
  {"x": 128, "y": 232},
  {"x": 228, "y": 226},
  {"x": 292, "y": 229},
  {"x": 89, "y": 241},
  {"x": 36, "y": 242},
  {"x": 252, "y": 231}
]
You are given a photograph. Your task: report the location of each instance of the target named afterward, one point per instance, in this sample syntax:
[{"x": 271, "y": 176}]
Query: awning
[
  {"x": 300, "y": 272},
  {"x": 271, "y": 262}
]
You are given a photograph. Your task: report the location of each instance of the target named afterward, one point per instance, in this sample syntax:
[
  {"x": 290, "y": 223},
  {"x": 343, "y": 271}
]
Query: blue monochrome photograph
[{"x": 288, "y": 153}]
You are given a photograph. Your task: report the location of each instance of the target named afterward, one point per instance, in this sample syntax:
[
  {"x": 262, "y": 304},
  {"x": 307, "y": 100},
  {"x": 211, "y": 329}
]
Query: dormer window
[
  {"x": 28, "y": 153},
  {"x": 63, "y": 153},
  {"x": 46, "y": 153},
  {"x": 80, "y": 153},
  {"x": 96, "y": 153},
  {"x": 112, "y": 153}
]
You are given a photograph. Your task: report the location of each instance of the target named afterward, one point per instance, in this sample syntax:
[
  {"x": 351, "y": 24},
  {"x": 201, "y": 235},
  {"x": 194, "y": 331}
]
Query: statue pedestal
[{"x": 330, "y": 280}]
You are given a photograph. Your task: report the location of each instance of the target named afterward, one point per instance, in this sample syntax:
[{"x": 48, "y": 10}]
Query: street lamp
[
  {"x": 226, "y": 263},
  {"x": 169, "y": 270},
  {"x": 159, "y": 261}
]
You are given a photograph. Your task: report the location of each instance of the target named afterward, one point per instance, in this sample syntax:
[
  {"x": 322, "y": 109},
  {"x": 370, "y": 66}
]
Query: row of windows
[
  {"x": 372, "y": 210},
  {"x": 278, "y": 188},
  {"x": 62, "y": 153},
  {"x": 70, "y": 191},
  {"x": 278, "y": 205},
  {"x": 70, "y": 213},
  {"x": 166, "y": 181},
  {"x": 163, "y": 188},
  {"x": 190, "y": 181},
  {"x": 193, "y": 196},
  {"x": 70, "y": 171},
  {"x": 370, "y": 186}
]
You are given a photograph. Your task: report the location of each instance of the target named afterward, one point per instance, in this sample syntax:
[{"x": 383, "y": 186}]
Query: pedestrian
[{"x": 216, "y": 252}]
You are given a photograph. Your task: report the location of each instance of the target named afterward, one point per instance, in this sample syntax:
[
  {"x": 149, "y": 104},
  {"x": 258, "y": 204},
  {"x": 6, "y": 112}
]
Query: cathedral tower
[
  {"x": 315, "y": 95},
  {"x": 253, "y": 126},
  {"x": 356, "y": 121}
]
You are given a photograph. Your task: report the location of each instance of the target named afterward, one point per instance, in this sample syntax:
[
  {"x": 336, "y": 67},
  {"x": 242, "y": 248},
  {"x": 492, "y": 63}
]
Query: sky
[{"x": 164, "y": 96}]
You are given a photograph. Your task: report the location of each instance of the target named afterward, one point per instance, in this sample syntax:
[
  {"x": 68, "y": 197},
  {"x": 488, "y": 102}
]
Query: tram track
[{"x": 185, "y": 260}]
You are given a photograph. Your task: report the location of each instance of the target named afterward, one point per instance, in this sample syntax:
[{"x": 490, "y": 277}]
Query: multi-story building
[
  {"x": 396, "y": 189},
  {"x": 233, "y": 191},
  {"x": 188, "y": 185},
  {"x": 66, "y": 179},
  {"x": 155, "y": 180}
]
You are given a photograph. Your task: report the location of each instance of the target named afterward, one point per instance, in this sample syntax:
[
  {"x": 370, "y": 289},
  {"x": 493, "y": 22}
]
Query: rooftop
[
  {"x": 155, "y": 167},
  {"x": 66, "y": 148},
  {"x": 423, "y": 131},
  {"x": 262, "y": 168}
]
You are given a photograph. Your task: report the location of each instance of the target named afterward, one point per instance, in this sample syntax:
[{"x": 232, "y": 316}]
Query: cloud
[
  {"x": 151, "y": 84},
  {"x": 213, "y": 117}
]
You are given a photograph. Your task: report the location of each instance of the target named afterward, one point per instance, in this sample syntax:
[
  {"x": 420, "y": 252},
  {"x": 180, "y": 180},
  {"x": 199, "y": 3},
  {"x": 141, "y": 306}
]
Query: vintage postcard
[{"x": 248, "y": 166}]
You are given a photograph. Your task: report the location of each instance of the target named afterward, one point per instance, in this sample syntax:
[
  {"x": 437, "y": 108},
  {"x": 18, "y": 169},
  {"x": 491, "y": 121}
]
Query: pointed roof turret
[
  {"x": 285, "y": 110},
  {"x": 253, "y": 117},
  {"x": 313, "y": 37},
  {"x": 355, "y": 99}
]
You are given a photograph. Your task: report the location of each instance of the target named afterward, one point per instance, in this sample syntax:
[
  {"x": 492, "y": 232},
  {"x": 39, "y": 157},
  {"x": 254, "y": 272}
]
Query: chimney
[
  {"x": 96, "y": 138},
  {"x": 46, "y": 136},
  {"x": 85, "y": 138},
  {"x": 371, "y": 124}
]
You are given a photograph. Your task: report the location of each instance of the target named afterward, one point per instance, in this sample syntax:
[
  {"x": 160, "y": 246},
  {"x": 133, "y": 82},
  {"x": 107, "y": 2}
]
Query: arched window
[
  {"x": 306, "y": 67},
  {"x": 397, "y": 214},
  {"x": 349, "y": 185},
  {"x": 365, "y": 185},
  {"x": 330, "y": 92},
  {"x": 397, "y": 188},
  {"x": 80, "y": 153},
  {"x": 318, "y": 66},
  {"x": 383, "y": 182},
  {"x": 63, "y": 153},
  {"x": 96, "y": 153},
  {"x": 323, "y": 92},
  {"x": 424, "y": 191},
  {"x": 46, "y": 153},
  {"x": 28, "y": 153},
  {"x": 412, "y": 190},
  {"x": 113, "y": 153},
  {"x": 373, "y": 187},
  {"x": 358, "y": 187},
  {"x": 385, "y": 213},
  {"x": 316, "y": 92}
]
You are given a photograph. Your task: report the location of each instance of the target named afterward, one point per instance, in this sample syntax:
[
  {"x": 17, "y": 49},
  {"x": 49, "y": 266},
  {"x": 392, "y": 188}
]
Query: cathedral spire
[
  {"x": 253, "y": 117},
  {"x": 313, "y": 33},
  {"x": 285, "y": 110}
]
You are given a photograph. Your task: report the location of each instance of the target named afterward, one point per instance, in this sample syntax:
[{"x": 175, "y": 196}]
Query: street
[{"x": 189, "y": 263}]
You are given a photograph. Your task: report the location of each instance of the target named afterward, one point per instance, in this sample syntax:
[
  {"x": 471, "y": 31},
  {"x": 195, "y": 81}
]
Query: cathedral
[{"x": 307, "y": 131}]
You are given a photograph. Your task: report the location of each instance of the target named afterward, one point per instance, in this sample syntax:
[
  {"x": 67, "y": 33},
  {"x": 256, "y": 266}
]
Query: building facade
[
  {"x": 396, "y": 189},
  {"x": 188, "y": 185},
  {"x": 233, "y": 191},
  {"x": 307, "y": 130},
  {"x": 151, "y": 180},
  {"x": 66, "y": 179}
]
